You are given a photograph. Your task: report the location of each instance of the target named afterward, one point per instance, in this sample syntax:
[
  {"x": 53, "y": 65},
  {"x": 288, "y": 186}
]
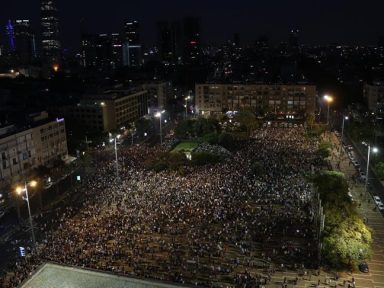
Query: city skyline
[{"x": 320, "y": 23}]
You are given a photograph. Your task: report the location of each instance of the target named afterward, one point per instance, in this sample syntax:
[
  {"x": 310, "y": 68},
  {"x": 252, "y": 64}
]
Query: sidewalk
[{"x": 372, "y": 216}]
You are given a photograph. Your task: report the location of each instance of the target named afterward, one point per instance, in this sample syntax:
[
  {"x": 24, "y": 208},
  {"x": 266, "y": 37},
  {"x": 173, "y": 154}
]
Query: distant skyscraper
[
  {"x": 11, "y": 36},
  {"x": 116, "y": 50},
  {"x": 88, "y": 50},
  {"x": 192, "y": 40},
  {"x": 102, "y": 51},
  {"x": 131, "y": 44},
  {"x": 24, "y": 42},
  {"x": 51, "y": 45},
  {"x": 169, "y": 39}
]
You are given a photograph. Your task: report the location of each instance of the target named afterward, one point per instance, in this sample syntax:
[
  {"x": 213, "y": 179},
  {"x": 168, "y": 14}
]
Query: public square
[{"x": 220, "y": 225}]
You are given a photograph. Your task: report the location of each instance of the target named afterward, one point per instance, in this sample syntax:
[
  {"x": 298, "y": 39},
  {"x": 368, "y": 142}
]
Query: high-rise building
[
  {"x": 131, "y": 44},
  {"x": 192, "y": 40},
  {"x": 51, "y": 45},
  {"x": 169, "y": 39},
  {"x": 25, "y": 46},
  {"x": 11, "y": 36},
  {"x": 88, "y": 50},
  {"x": 102, "y": 51},
  {"x": 116, "y": 50}
]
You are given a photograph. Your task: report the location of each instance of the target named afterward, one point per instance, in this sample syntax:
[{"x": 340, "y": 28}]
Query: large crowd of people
[{"x": 221, "y": 224}]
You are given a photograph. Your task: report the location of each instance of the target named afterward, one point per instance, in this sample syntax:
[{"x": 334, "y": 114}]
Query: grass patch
[{"x": 185, "y": 146}]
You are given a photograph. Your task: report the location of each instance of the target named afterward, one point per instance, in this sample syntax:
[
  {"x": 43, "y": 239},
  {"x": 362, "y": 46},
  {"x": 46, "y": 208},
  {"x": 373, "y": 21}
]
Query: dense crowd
[{"x": 214, "y": 226}]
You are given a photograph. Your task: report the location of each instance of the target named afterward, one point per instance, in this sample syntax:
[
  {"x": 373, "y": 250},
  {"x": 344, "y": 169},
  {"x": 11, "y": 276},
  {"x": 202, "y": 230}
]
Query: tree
[
  {"x": 310, "y": 119},
  {"x": 346, "y": 239},
  {"x": 143, "y": 126},
  {"x": 324, "y": 150},
  {"x": 380, "y": 170},
  {"x": 247, "y": 120}
]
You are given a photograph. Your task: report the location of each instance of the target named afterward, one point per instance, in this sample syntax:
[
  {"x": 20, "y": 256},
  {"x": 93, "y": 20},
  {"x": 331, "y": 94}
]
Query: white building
[{"x": 23, "y": 149}]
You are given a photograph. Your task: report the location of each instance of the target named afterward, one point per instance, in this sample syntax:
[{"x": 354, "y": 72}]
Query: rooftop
[{"x": 53, "y": 275}]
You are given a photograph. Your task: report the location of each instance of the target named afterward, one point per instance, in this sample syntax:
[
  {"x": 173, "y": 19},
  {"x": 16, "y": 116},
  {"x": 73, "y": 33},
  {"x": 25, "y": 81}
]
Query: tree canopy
[{"x": 346, "y": 239}]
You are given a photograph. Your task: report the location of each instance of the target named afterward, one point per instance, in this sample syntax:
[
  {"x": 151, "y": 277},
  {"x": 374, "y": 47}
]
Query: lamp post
[
  {"x": 158, "y": 115},
  {"x": 116, "y": 159},
  {"x": 329, "y": 100},
  {"x": 186, "y": 106},
  {"x": 20, "y": 190},
  {"x": 374, "y": 150},
  {"x": 342, "y": 127}
]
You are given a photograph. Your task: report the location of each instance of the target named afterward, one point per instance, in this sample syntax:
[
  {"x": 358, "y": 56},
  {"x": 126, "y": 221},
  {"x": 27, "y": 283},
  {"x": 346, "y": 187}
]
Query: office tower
[
  {"x": 192, "y": 40},
  {"x": 51, "y": 45},
  {"x": 88, "y": 50},
  {"x": 25, "y": 46},
  {"x": 116, "y": 50},
  {"x": 11, "y": 36},
  {"x": 103, "y": 51},
  {"x": 165, "y": 41},
  {"x": 169, "y": 38},
  {"x": 131, "y": 44}
]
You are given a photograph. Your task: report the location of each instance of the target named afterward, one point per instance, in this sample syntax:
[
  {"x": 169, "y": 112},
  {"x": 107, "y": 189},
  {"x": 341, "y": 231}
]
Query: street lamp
[
  {"x": 342, "y": 127},
  {"x": 186, "y": 106},
  {"x": 374, "y": 150},
  {"x": 158, "y": 115},
  {"x": 116, "y": 159},
  {"x": 329, "y": 100},
  {"x": 19, "y": 190}
]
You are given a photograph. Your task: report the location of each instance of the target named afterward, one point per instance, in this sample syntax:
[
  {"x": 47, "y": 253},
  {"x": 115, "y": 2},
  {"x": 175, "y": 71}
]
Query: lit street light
[
  {"x": 20, "y": 190},
  {"x": 116, "y": 159},
  {"x": 374, "y": 150},
  {"x": 342, "y": 127},
  {"x": 329, "y": 100},
  {"x": 158, "y": 115},
  {"x": 186, "y": 106}
]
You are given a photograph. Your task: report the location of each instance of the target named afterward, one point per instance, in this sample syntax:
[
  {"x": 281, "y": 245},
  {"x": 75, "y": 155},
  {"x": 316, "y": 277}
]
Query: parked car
[
  {"x": 381, "y": 206},
  {"x": 350, "y": 195},
  {"x": 377, "y": 200},
  {"x": 363, "y": 267}
]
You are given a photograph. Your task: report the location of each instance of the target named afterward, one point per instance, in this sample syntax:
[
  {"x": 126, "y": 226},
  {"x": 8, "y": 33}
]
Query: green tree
[
  {"x": 380, "y": 170},
  {"x": 324, "y": 150},
  {"x": 247, "y": 120},
  {"x": 346, "y": 239},
  {"x": 310, "y": 120}
]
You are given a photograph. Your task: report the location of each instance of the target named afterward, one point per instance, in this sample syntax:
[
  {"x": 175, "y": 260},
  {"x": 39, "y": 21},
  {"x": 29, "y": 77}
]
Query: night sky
[{"x": 320, "y": 22}]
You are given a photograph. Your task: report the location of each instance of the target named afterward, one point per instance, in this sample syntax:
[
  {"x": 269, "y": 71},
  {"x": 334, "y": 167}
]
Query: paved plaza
[{"x": 51, "y": 275}]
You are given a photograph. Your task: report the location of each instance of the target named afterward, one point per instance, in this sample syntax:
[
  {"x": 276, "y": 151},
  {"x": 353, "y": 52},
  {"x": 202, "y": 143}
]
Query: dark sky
[{"x": 321, "y": 22}]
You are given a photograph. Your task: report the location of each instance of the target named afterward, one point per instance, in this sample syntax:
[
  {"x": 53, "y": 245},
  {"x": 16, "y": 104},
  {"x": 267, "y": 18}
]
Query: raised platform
[{"x": 53, "y": 275}]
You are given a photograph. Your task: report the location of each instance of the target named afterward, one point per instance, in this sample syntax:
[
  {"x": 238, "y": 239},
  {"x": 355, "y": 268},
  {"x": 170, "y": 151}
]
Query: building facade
[
  {"x": 261, "y": 98},
  {"x": 50, "y": 36},
  {"x": 111, "y": 110},
  {"x": 159, "y": 93},
  {"x": 132, "y": 47},
  {"x": 22, "y": 150},
  {"x": 374, "y": 93},
  {"x": 25, "y": 46}
]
